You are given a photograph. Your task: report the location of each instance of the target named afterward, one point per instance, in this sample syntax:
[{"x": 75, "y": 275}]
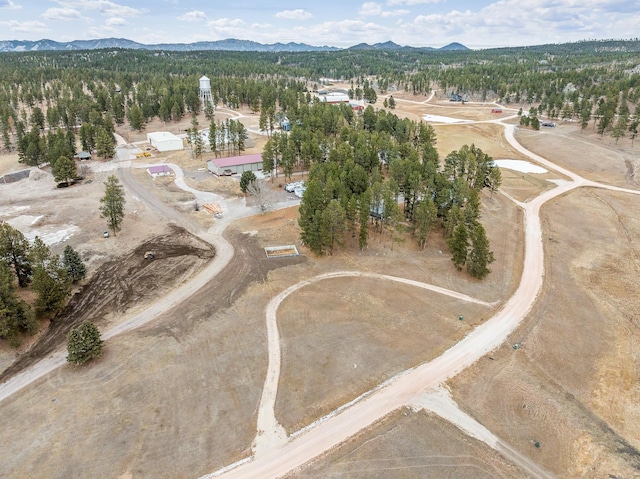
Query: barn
[
  {"x": 165, "y": 141},
  {"x": 235, "y": 164}
]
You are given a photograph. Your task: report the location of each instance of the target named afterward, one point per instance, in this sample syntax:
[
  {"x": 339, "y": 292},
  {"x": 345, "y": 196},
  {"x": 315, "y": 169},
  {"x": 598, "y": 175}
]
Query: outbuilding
[
  {"x": 83, "y": 155},
  {"x": 165, "y": 141},
  {"x": 334, "y": 97},
  {"x": 159, "y": 170},
  {"x": 233, "y": 165}
]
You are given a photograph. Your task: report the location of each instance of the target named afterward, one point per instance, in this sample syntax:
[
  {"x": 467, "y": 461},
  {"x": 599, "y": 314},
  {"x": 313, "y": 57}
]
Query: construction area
[{"x": 183, "y": 392}]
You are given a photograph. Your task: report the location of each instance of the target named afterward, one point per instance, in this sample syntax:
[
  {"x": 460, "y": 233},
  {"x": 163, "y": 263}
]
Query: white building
[
  {"x": 165, "y": 141},
  {"x": 334, "y": 97}
]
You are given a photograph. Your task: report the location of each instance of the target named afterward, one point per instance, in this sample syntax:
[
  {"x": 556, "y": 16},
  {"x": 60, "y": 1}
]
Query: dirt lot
[
  {"x": 178, "y": 397},
  {"x": 412, "y": 445}
]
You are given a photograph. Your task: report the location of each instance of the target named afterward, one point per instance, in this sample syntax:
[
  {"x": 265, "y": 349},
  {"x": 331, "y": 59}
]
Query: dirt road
[{"x": 485, "y": 338}]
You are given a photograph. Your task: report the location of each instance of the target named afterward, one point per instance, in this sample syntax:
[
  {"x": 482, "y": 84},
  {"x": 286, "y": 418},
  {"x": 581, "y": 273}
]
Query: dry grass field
[{"x": 179, "y": 396}]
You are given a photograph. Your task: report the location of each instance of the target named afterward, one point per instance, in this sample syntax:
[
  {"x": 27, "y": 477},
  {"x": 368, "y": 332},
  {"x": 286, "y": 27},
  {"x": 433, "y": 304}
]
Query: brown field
[{"x": 179, "y": 396}]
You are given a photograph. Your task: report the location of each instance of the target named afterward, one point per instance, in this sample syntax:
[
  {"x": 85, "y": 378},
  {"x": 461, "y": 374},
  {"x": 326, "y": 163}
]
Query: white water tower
[{"x": 205, "y": 91}]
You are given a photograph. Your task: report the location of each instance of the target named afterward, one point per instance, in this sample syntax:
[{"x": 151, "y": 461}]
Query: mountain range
[{"x": 230, "y": 44}]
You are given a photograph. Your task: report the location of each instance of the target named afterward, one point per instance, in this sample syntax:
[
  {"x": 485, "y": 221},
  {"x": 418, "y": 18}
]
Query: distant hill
[
  {"x": 454, "y": 46},
  {"x": 230, "y": 44},
  {"x": 394, "y": 46}
]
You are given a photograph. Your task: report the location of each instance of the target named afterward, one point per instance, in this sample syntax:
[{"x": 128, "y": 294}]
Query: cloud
[
  {"x": 193, "y": 16},
  {"x": 25, "y": 27},
  {"x": 373, "y": 9},
  {"x": 64, "y": 14},
  {"x": 411, "y": 2},
  {"x": 115, "y": 22},
  {"x": 8, "y": 4},
  {"x": 105, "y": 7},
  {"x": 228, "y": 28},
  {"x": 297, "y": 14},
  {"x": 370, "y": 9}
]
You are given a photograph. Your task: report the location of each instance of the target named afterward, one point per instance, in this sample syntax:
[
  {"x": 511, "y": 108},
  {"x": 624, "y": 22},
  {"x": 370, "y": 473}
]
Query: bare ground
[
  {"x": 211, "y": 351},
  {"x": 178, "y": 398},
  {"x": 411, "y": 445}
]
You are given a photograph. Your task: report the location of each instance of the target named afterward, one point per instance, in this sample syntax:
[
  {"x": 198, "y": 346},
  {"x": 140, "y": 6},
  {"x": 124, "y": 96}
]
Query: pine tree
[
  {"x": 246, "y": 178},
  {"x": 480, "y": 256},
  {"x": 14, "y": 251},
  {"x": 458, "y": 245},
  {"x": 52, "y": 285},
  {"x": 64, "y": 170},
  {"x": 83, "y": 343},
  {"x": 424, "y": 218},
  {"x": 333, "y": 223},
  {"x": 113, "y": 204},
  {"x": 104, "y": 143},
  {"x": 136, "y": 118},
  {"x": 14, "y": 313},
  {"x": 39, "y": 253},
  {"x": 76, "y": 270}
]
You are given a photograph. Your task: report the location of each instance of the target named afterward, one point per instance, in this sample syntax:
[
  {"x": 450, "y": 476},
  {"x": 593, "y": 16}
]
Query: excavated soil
[{"x": 120, "y": 285}]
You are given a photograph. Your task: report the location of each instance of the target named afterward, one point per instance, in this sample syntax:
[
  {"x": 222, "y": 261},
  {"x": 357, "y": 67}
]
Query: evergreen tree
[
  {"x": 213, "y": 138},
  {"x": 39, "y": 253},
  {"x": 480, "y": 256},
  {"x": 246, "y": 178},
  {"x": 458, "y": 245},
  {"x": 136, "y": 118},
  {"x": 268, "y": 157},
  {"x": 64, "y": 170},
  {"x": 104, "y": 143},
  {"x": 113, "y": 204},
  {"x": 311, "y": 206},
  {"x": 14, "y": 251},
  {"x": 365, "y": 212},
  {"x": 424, "y": 218},
  {"x": 83, "y": 343},
  {"x": 14, "y": 313},
  {"x": 51, "y": 283},
  {"x": 76, "y": 270},
  {"x": 332, "y": 225}
]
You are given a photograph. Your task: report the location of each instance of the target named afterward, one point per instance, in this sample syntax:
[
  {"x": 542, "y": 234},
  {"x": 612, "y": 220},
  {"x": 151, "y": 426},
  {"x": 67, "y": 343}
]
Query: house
[
  {"x": 547, "y": 123},
  {"x": 233, "y": 165},
  {"x": 159, "y": 170},
  {"x": 165, "y": 141}
]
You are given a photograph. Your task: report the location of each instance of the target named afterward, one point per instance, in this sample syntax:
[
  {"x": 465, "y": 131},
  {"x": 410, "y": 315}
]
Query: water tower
[{"x": 205, "y": 91}]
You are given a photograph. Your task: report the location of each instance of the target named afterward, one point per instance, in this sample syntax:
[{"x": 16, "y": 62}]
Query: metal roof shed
[
  {"x": 235, "y": 164},
  {"x": 165, "y": 141}
]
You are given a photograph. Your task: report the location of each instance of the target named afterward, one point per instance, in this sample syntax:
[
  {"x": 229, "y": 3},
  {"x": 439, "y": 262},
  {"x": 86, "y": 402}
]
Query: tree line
[
  {"x": 31, "y": 265},
  {"x": 378, "y": 161},
  {"x": 587, "y": 81}
]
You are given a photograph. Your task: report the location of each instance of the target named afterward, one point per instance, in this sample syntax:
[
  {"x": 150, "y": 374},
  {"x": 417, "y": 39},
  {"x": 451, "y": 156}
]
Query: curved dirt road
[
  {"x": 270, "y": 433},
  {"x": 335, "y": 429}
]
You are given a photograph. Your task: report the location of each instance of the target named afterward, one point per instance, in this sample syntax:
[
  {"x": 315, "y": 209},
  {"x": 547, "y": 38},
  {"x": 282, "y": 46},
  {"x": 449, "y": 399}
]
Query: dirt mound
[
  {"x": 37, "y": 174},
  {"x": 121, "y": 284}
]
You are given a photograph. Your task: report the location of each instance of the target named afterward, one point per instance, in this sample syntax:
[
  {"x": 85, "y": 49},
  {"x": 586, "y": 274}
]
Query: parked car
[
  {"x": 291, "y": 187},
  {"x": 105, "y": 234}
]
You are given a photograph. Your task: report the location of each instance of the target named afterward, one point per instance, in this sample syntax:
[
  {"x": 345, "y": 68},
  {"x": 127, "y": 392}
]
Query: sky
[{"x": 418, "y": 23}]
